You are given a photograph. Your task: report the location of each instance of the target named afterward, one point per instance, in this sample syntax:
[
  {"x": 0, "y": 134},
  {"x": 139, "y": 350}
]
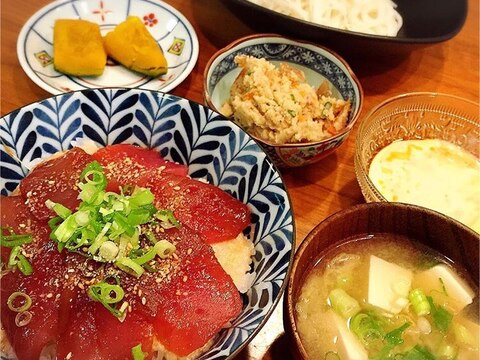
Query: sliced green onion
[
  {"x": 140, "y": 216},
  {"x": 141, "y": 197},
  {"x": 66, "y": 229},
  {"x": 108, "y": 251},
  {"x": 367, "y": 328},
  {"x": 99, "y": 239},
  {"x": 24, "y": 265},
  {"x": 82, "y": 217},
  {"x": 108, "y": 295},
  {"x": 19, "y": 296},
  {"x": 343, "y": 304},
  {"x": 331, "y": 355},
  {"x": 123, "y": 224},
  {"x": 59, "y": 209},
  {"x": 167, "y": 216},
  {"x": 93, "y": 173},
  {"x": 13, "y": 239},
  {"x": 418, "y": 353},
  {"x": 394, "y": 337},
  {"x": 23, "y": 318},
  {"x": 130, "y": 266},
  {"x": 145, "y": 258},
  {"x": 419, "y": 301},
  {"x": 442, "y": 318},
  {"x": 108, "y": 224},
  {"x": 447, "y": 351},
  {"x": 164, "y": 248},
  {"x": 137, "y": 353},
  {"x": 462, "y": 335},
  {"x": 17, "y": 259}
]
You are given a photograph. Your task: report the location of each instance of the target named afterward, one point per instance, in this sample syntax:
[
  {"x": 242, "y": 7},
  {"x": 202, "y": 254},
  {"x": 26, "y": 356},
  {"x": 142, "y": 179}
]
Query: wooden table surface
[{"x": 316, "y": 191}]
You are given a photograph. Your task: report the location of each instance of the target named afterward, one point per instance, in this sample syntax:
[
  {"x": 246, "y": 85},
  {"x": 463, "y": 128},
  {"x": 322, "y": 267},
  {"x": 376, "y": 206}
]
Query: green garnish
[
  {"x": 106, "y": 226},
  {"x": 392, "y": 339},
  {"x": 167, "y": 217},
  {"x": 17, "y": 259},
  {"x": 444, "y": 289},
  {"x": 137, "y": 352},
  {"x": 367, "y": 328},
  {"x": 12, "y": 239},
  {"x": 442, "y": 318},
  {"x": 291, "y": 113},
  {"x": 163, "y": 248},
  {"x": 23, "y": 300},
  {"x": 331, "y": 355},
  {"x": 343, "y": 304},
  {"x": 419, "y": 302},
  {"x": 418, "y": 353},
  {"x": 109, "y": 295}
]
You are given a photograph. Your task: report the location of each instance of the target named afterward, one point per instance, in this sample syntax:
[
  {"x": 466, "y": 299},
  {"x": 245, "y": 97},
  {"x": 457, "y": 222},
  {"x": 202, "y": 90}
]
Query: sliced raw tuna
[
  {"x": 195, "y": 300},
  {"x": 203, "y": 207},
  {"x": 116, "y": 339},
  {"x": 55, "y": 179},
  {"x": 79, "y": 340},
  {"x": 125, "y": 164}
]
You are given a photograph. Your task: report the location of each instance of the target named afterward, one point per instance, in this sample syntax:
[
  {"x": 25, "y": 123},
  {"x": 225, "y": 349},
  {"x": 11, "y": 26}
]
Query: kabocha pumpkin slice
[
  {"x": 78, "y": 48},
  {"x": 132, "y": 45}
]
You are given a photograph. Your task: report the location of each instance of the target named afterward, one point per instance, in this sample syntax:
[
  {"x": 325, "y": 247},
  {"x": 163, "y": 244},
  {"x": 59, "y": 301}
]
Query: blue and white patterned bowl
[
  {"x": 318, "y": 64},
  {"x": 213, "y": 147}
]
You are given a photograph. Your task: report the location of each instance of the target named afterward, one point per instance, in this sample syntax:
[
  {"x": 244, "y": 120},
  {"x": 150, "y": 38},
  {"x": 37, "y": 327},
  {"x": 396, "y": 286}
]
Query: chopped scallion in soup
[{"x": 386, "y": 297}]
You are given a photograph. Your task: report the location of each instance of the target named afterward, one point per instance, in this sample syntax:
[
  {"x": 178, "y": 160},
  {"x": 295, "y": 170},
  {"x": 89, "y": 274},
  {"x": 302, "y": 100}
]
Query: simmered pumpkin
[
  {"x": 78, "y": 48},
  {"x": 132, "y": 45}
]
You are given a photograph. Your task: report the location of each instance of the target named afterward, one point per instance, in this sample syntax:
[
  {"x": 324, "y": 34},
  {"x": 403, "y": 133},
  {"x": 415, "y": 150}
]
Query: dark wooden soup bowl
[{"x": 439, "y": 232}]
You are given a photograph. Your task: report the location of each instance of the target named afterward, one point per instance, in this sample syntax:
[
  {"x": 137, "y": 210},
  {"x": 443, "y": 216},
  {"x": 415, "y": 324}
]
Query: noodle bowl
[{"x": 378, "y": 17}]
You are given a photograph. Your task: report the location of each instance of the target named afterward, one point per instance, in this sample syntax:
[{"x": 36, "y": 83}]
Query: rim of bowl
[
  {"x": 363, "y": 168},
  {"x": 290, "y": 308},
  {"x": 241, "y": 40}
]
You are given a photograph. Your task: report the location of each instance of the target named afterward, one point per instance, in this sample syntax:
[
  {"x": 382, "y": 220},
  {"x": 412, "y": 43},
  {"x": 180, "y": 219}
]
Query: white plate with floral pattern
[{"x": 168, "y": 26}]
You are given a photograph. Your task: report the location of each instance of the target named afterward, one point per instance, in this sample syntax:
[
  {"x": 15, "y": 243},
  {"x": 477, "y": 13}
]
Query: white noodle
[{"x": 378, "y": 17}]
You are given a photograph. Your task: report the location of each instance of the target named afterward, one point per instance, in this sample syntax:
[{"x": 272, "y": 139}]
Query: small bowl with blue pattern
[
  {"x": 320, "y": 65},
  {"x": 214, "y": 148}
]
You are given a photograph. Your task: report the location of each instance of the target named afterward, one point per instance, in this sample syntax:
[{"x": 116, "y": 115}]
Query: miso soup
[{"x": 385, "y": 297}]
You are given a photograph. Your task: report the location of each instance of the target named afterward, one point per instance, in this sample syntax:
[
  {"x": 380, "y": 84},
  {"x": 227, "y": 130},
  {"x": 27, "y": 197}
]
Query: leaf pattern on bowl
[{"x": 214, "y": 148}]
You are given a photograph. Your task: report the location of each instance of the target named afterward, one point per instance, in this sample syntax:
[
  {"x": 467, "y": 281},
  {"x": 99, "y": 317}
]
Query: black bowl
[{"x": 424, "y": 22}]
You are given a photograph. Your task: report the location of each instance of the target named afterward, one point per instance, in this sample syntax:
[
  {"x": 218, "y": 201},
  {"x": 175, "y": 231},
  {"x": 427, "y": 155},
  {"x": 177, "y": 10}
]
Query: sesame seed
[
  {"x": 49, "y": 295},
  {"x": 144, "y": 300},
  {"x": 185, "y": 278}
]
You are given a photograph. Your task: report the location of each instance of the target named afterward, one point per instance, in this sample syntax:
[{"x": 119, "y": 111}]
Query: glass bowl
[{"x": 421, "y": 115}]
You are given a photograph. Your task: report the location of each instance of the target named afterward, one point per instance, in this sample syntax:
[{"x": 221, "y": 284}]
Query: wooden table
[{"x": 316, "y": 191}]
